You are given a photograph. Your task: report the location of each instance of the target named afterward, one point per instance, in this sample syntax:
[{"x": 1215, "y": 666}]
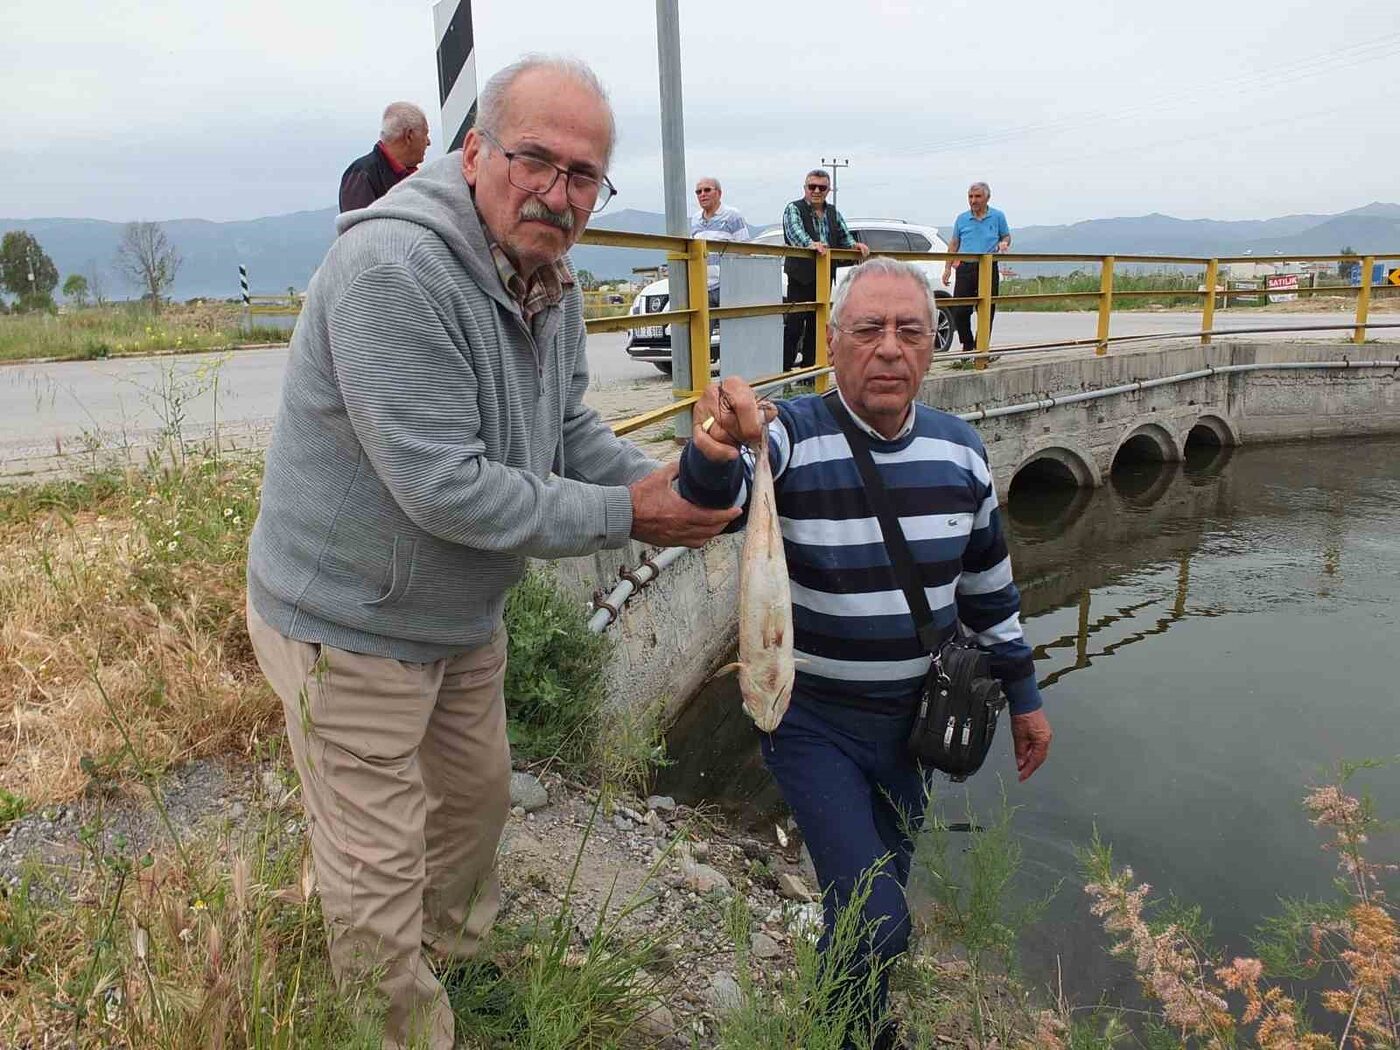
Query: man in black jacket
[
  {"x": 403, "y": 140},
  {"x": 809, "y": 223}
]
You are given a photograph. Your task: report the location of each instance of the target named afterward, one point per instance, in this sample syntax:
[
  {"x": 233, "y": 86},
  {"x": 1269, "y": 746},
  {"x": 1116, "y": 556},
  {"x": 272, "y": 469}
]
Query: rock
[
  {"x": 806, "y": 921},
  {"x": 794, "y": 889},
  {"x": 724, "y": 994},
  {"x": 661, "y": 803},
  {"x": 272, "y": 786},
  {"x": 703, "y": 879},
  {"x": 764, "y": 947},
  {"x": 657, "y": 1026},
  {"x": 700, "y": 849},
  {"x": 517, "y": 811},
  {"x": 807, "y": 869},
  {"x": 631, "y": 814},
  {"x": 622, "y": 823},
  {"x": 527, "y": 792},
  {"x": 657, "y": 825},
  {"x": 236, "y": 811}
]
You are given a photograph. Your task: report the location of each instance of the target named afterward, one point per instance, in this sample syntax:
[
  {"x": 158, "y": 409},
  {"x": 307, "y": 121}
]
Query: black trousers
[
  {"x": 799, "y": 331},
  {"x": 965, "y": 284}
]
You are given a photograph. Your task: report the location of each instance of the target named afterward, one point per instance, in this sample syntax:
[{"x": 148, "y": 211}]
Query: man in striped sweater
[{"x": 839, "y": 755}]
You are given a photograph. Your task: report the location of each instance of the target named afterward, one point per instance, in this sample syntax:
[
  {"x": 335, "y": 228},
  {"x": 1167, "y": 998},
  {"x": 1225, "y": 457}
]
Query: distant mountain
[
  {"x": 1375, "y": 227},
  {"x": 284, "y": 250},
  {"x": 279, "y": 251}
]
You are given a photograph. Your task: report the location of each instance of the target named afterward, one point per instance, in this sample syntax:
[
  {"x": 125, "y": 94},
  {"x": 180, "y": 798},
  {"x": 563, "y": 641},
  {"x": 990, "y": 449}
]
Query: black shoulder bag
[{"x": 957, "y": 713}]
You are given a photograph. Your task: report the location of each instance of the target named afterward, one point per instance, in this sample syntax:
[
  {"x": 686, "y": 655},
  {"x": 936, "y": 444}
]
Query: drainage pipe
[{"x": 607, "y": 610}]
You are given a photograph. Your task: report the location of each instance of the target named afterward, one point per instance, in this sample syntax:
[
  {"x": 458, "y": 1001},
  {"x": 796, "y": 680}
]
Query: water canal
[{"x": 1210, "y": 637}]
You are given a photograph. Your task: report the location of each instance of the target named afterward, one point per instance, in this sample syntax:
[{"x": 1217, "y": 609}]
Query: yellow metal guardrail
[{"x": 697, "y": 317}]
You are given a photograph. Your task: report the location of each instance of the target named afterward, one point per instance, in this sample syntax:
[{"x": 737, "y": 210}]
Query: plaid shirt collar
[{"x": 545, "y": 288}]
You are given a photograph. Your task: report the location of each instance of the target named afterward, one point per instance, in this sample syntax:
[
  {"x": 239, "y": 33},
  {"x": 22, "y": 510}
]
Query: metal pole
[
  {"x": 668, "y": 56},
  {"x": 834, "y": 165},
  {"x": 1105, "y": 304},
  {"x": 1363, "y": 299},
  {"x": 1208, "y": 312},
  {"x": 456, "y": 66}
]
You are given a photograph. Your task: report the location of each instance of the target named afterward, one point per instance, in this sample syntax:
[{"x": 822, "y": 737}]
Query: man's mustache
[{"x": 535, "y": 210}]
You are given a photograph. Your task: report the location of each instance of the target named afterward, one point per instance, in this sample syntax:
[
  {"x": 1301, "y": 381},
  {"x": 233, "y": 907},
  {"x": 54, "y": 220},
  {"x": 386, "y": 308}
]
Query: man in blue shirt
[{"x": 980, "y": 229}]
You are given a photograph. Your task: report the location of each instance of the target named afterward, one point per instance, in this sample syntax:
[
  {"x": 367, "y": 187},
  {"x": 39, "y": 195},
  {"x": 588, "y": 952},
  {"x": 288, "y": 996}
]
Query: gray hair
[
  {"x": 980, "y": 186},
  {"x": 399, "y": 119},
  {"x": 493, "y": 104},
  {"x": 710, "y": 179},
  {"x": 820, "y": 173},
  {"x": 880, "y": 265}
]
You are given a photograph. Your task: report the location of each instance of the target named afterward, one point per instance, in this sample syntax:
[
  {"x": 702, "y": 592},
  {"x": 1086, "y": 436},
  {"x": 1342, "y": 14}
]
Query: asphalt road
[{"x": 53, "y": 410}]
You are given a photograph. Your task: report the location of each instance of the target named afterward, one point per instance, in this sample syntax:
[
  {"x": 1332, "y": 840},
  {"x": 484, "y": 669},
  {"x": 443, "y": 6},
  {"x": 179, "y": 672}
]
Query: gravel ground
[{"x": 679, "y": 867}]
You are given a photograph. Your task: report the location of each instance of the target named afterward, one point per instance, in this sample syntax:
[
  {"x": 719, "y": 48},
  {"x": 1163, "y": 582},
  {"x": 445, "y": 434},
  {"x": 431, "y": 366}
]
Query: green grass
[
  {"x": 129, "y": 328},
  {"x": 1166, "y": 283}
]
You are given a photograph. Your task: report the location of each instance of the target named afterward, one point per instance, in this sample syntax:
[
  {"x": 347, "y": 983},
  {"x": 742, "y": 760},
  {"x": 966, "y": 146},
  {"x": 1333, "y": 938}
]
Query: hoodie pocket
[{"x": 399, "y": 574}]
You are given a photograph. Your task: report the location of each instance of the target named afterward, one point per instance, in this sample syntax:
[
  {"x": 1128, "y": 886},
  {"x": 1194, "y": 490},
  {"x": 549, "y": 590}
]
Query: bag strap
[{"x": 900, "y": 558}]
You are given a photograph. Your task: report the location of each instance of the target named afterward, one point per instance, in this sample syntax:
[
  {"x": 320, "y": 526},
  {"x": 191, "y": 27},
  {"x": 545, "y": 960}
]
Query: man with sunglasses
[
  {"x": 432, "y": 437},
  {"x": 809, "y": 222},
  {"x": 714, "y": 220},
  {"x": 839, "y": 754}
]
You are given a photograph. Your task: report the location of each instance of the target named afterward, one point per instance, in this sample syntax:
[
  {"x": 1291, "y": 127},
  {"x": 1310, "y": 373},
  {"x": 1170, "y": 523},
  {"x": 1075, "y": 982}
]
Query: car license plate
[{"x": 651, "y": 331}]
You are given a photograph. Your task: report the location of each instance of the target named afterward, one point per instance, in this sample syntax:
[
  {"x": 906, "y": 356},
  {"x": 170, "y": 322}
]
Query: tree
[
  {"x": 76, "y": 289},
  {"x": 26, "y": 271},
  {"x": 97, "y": 284},
  {"x": 587, "y": 281},
  {"x": 1344, "y": 267},
  {"x": 148, "y": 259}
]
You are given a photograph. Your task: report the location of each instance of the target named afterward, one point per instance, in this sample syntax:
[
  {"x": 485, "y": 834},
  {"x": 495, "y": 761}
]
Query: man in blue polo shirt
[{"x": 983, "y": 230}]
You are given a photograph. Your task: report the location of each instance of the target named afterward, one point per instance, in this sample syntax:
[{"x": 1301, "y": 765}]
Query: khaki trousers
[{"x": 405, "y": 777}]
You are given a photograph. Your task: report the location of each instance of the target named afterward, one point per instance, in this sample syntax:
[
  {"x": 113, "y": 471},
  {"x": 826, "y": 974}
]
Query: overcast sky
[{"x": 233, "y": 109}]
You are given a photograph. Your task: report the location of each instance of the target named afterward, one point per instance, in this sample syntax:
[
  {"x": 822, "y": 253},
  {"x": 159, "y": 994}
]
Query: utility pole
[
  {"x": 834, "y": 164},
  {"x": 668, "y": 60}
]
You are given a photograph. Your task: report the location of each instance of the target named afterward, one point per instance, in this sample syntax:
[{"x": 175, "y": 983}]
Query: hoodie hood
[{"x": 438, "y": 198}]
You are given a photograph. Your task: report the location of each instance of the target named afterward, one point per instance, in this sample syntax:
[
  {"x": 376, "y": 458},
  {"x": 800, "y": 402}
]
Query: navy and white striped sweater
[{"x": 854, "y": 636}]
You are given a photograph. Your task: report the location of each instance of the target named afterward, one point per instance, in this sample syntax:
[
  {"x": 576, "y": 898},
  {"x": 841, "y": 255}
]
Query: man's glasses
[
  {"x": 704, "y": 189},
  {"x": 816, "y": 187},
  {"x": 537, "y": 175},
  {"x": 869, "y": 333}
]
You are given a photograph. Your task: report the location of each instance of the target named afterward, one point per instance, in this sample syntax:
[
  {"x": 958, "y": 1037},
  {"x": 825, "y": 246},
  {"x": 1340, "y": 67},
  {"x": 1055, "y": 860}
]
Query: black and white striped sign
[
  {"x": 243, "y": 283},
  {"x": 456, "y": 64}
]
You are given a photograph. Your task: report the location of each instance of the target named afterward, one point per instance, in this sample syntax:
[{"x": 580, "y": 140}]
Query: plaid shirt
[
  {"x": 546, "y": 287},
  {"x": 797, "y": 234}
]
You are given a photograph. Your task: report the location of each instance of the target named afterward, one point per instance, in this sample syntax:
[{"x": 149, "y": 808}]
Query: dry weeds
[{"x": 136, "y": 584}]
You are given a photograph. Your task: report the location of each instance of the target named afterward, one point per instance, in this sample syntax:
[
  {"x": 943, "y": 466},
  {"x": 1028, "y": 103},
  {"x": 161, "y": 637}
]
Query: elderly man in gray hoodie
[{"x": 432, "y": 436}]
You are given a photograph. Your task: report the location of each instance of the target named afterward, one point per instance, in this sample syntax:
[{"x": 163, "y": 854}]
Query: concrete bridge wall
[{"x": 674, "y": 634}]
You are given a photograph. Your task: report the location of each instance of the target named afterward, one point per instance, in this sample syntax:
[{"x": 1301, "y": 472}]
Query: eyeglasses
[
  {"x": 866, "y": 334},
  {"x": 537, "y": 175},
  {"x": 814, "y": 187},
  {"x": 704, "y": 189}
]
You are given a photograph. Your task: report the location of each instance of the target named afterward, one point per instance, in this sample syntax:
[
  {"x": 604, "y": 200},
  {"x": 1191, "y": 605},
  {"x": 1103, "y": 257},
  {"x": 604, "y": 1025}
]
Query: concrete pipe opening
[
  {"x": 1147, "y": 444},
  {"x": 1049, "y": 491},
  {"x": 1140, "y": 470},
  {"x": 1209, "y": 444}
]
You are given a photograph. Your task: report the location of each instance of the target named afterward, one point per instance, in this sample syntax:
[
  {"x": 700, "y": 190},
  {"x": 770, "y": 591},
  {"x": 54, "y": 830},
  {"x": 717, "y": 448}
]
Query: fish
[{"x": 765, "y": 665}]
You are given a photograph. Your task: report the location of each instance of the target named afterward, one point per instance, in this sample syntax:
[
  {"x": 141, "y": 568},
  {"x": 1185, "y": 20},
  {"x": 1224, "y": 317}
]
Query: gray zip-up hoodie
[{"x": 427, "y": 442}]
